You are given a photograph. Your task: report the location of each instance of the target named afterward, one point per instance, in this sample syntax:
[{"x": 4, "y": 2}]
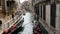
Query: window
[
  {"x": 44, "y": 12},
  {"x": 53, "y": 14},
  {"x": 41, "y": 11},
  {"x": 47, "y": 0},
  {"x": 37, "y": 11},
  {"x": 0, "y": 22},
  {"x": 10, "y": 3},
  {"x": 0, "y": 2}
]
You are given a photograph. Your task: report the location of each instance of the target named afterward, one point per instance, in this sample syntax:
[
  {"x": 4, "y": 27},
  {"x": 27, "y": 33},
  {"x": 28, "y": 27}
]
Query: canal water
[{"x": 27, "y": 26}]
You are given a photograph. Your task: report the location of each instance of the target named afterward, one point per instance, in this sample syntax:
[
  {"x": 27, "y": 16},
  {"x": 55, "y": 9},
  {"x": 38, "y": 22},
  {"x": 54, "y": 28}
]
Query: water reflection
[{"x": 27, "y": 24}]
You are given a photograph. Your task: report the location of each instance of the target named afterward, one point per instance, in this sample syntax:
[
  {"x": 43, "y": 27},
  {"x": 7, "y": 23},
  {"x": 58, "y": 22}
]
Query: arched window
[{"x": 0, "y": 22}]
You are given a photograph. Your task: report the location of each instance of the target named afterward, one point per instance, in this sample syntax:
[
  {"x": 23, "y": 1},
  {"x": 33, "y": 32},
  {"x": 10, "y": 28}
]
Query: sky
[{"x": 22, "y": 0}]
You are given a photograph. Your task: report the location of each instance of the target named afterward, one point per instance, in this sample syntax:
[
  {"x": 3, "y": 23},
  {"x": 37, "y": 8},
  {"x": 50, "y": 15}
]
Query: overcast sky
[{"x": 22, "y": 0}]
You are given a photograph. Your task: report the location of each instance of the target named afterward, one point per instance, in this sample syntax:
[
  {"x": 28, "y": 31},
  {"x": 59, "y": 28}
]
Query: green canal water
[
  {"x": 20, "y": 29},
  {"x": 27, "y": 26}
]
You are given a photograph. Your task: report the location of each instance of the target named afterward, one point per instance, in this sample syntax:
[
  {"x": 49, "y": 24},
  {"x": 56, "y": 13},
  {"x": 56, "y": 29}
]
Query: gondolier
[{"x": 36, "y": 28}]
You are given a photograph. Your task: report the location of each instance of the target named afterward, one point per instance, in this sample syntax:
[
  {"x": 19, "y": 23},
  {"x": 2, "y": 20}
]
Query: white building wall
[
  {"x": 48, "y": 14},
  {"x": 58, "y": 18}
]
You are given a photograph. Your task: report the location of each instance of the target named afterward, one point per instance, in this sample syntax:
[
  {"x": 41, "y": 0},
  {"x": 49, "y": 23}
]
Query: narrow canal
[{"x": 27, "y": 26}]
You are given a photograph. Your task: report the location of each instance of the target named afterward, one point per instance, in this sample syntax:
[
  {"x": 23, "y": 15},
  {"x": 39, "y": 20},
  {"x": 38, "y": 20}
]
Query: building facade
[
  {"x": 48, "y": 14},
  {"x": 6, "y": 7},
  {"x": 0, "y": 5}
]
